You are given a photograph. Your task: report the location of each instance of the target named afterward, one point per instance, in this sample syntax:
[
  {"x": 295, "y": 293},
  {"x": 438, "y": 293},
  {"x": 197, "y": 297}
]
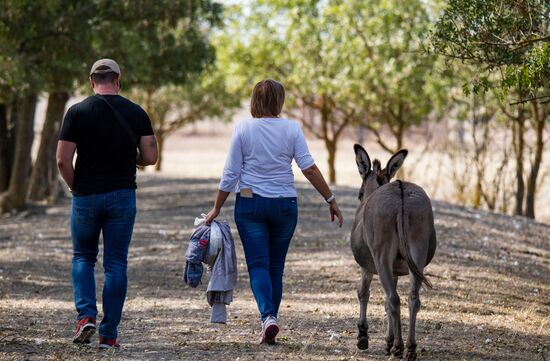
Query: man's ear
[
  {"x": 395, "y": 162},
  {"x": 91, "y": 82}
]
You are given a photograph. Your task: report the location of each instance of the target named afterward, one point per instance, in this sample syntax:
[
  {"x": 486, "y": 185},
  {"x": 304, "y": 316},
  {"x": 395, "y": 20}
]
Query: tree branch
[
  {"x": 379, "y": 138},
  {"x": 518, "y": 44},
  {"x": 526, "y": 100}
]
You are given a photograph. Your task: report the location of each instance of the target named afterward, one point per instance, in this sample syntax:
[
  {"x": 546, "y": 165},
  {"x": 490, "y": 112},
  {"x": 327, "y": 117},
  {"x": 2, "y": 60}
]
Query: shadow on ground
[{"x": 490, "y": 300}]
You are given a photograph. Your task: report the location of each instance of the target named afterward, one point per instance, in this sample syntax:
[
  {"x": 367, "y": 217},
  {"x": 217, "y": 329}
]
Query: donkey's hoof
[
  {"x": 411, "y": 352},
  {"x": 397, "y": 352},
  {"x": 410, "y": 356},
  {"x": 363, "y": 343},
  {"x": 389, "y": 345}
]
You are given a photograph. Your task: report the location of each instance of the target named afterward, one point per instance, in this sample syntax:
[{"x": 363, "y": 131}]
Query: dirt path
[{"x": 491, "y": 299}]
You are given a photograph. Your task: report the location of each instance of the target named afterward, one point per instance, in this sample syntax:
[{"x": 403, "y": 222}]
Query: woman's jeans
[
  {"x": 266, "y": 226},
  {"x": 113, "y": 214}
]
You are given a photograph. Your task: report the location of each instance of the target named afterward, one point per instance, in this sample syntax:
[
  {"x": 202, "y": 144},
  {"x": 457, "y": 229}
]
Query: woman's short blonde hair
[{"x": 267, "y": 99}]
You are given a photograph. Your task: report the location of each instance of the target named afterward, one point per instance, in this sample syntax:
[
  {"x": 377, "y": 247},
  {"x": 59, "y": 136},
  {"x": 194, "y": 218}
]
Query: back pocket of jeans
[
  {"x": 245, "y": 206},
  {"x": 83, "y": 209},
  {"x": 288, "y": 206},
  {"x": 125, "y": 204},
  {"x": 82, "y": 214}
]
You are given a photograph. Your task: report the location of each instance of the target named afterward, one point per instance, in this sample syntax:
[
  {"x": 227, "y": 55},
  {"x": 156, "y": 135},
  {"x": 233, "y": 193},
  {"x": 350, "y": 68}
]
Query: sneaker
[
  {"x": 270, "y": 329},
  {"x": 108, "y": 343},
  {"x": 85, "y": 328}
]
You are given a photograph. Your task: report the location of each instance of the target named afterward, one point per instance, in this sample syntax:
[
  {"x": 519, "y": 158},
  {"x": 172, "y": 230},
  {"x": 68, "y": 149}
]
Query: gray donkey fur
[{"x": 393, "y": 234}]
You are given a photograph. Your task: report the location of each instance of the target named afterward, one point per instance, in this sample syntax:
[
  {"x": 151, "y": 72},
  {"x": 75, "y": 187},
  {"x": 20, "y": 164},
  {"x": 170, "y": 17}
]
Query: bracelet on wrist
[{"x": 330, "y": 199}]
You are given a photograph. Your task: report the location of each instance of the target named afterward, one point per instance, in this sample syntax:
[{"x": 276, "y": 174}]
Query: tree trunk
[
  {"x": 4, "y": 170},
  {"x": 13, "y": 121},
  {"x": 400, "y": 128},
  {"x": 478, "y": 189},
  {"x": 44, "y": 174},
  {"x": 478, "y": 154},
  {"x": 519, "y": 147},
  {"x": 330, "y": 144},
  {"x": 535, "y": 166},
  {"x": 160, "y": 145},
  {"x": 331, "y": 149},
  {"x": 361, "y": 135},
  {"x": 14, "y": 198},
  {"x": 8, "y": 140}
]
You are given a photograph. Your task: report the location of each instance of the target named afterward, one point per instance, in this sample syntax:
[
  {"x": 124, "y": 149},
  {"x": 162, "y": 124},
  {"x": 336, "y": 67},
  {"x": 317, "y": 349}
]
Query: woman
[{"x": 258, "y": 168}]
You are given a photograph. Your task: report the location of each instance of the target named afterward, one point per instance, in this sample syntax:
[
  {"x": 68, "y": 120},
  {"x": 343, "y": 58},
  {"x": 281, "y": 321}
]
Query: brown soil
[{"x": 491, "y": 299}]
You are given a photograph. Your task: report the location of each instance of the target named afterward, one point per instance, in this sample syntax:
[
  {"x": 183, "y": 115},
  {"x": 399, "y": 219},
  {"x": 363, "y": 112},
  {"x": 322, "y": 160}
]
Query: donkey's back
[
  {"x": 401, "y": 206},
  {"x": 378, "y": 222}
]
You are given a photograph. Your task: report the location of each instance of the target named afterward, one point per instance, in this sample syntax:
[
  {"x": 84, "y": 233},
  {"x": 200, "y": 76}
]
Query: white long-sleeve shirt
[{"x": 260, "y": 157}]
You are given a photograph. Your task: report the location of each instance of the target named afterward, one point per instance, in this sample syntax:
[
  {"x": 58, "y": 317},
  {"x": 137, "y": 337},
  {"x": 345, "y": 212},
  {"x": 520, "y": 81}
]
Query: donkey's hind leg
[
  {"x": 393, "y": 307},
  {"x": 414, "y": 307},
  {"x": 363, "y": 294},
  {"x": 389, "y": 328}
]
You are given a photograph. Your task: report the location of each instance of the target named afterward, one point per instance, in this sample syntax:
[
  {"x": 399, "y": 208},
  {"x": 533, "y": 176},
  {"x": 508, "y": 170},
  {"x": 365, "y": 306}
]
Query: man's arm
[
  {"x": 147, "y": 151},
  {"x": 64, "y": 156}
]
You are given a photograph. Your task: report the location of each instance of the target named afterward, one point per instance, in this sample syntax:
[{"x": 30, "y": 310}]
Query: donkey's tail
[{"x": 403, "y": 235}]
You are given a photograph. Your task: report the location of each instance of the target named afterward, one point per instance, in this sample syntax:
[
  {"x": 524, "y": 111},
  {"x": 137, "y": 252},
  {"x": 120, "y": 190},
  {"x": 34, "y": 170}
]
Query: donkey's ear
[
  {"x": 363, "y": 160},
  {"x": 395, "y": 162}
]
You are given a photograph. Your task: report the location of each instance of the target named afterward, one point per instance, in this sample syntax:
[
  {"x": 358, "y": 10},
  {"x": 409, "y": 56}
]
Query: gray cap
[{"x": 110, "y": 65}]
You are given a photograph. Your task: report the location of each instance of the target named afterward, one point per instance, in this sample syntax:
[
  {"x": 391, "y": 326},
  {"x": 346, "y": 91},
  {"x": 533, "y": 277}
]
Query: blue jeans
[
  {"x": 112, "y": 213},
  {"x": 266, "y": 226}
]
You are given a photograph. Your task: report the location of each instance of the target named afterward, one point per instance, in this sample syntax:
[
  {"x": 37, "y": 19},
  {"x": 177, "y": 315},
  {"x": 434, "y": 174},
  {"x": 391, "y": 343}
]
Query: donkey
[{"x": 393, "y": 234}]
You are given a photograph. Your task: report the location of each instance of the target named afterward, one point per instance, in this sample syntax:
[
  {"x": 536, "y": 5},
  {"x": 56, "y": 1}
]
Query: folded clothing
[{"x": 196, "y": 252}]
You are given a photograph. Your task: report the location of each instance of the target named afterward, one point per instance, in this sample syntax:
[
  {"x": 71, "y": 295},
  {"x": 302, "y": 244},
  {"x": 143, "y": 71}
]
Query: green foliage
[
  {"x": 533, "y": 73},
  {"x": 511, "y": 37},
  {"x": 398, "y": 83},
  {"x": 171, "y": 107},
  {"x": 156, "y": 42},
  {"x": 50, "y": 45},
  {"x": 39, "y": 42},
  {"x": 362, "y": 61}
]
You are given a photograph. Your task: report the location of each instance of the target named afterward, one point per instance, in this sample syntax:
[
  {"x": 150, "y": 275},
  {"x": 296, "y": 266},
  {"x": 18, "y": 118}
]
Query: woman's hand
[
  {"x": 211, "y": 216},
  {"x": 334, "y": 211},
  {"x": 314, "y": 176},
  {"x": 220, "y": 200}
]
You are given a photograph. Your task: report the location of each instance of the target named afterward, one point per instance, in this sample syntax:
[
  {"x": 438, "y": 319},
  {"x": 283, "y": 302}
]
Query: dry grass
[
  {"x": 491, "y": 299},
  {"x": 201, "y": 153}
]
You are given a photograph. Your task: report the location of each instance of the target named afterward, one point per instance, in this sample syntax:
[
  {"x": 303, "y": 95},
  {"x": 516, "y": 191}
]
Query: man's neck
[{"x": 106, "y": 90}]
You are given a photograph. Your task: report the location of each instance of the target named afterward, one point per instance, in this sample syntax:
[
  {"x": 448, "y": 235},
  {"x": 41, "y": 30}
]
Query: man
[{"x": 112, "y": 136}]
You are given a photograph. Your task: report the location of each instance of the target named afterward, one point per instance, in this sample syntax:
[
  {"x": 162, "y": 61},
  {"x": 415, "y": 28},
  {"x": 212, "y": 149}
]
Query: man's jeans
[
  {"x": 112, "y": 213},
  {"x": 266, "y": 226}
]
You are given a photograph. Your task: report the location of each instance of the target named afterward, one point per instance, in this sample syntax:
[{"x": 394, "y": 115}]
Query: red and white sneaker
[
  {"x": 85, "y": 328},
  {"x": 108, "y": 343},
  {"x": 270, "y": 329}
]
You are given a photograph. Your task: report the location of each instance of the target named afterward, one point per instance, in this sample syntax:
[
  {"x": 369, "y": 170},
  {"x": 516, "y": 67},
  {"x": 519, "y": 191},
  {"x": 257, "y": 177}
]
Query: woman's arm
[
  {"x": 218, "y": 204},
  {"x": 230, "y": 176},
  {"x": 315, "y": 177}
]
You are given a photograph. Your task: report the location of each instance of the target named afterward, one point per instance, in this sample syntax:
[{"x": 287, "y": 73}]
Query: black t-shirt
[{"x": 106, "y": 155}]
